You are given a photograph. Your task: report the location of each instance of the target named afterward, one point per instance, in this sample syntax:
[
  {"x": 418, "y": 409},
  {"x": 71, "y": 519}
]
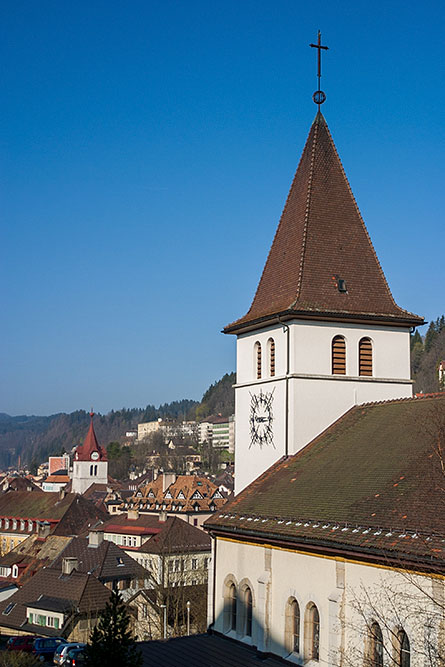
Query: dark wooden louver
[
  {"x": 365, "y": 357},
  {"x": 338, "y": 356},
  {"x": 272, "y": 357},
  {"x": 258, "y": 360}
]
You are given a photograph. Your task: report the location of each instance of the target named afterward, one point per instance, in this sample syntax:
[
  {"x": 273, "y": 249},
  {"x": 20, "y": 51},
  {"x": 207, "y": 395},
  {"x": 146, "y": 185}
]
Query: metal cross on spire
[{"x": 319, "y": 96}]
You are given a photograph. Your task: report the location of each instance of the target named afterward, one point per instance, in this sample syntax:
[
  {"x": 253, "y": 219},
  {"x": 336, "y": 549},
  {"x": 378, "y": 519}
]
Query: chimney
[
  {"x": 155, "y": 473},
  {"x": 167, "y": 479},
  {"x": 95, "y": 538},
  {"x": 69, "y": 565},
  {"x": 43, "y": 529},
  {"x": 62, "y": 493},
  {"x": 132, "y": 515},
  {"x": 162, "y": 516}
]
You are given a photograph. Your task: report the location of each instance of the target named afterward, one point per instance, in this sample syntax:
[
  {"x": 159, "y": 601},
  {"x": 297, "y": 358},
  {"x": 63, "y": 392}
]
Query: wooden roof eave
[{"x": 291, "y": 314}]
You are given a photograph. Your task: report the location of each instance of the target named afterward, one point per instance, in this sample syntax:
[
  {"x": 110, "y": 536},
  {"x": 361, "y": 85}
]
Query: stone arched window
[
  {"x": 312, "y": 632},
  {"x": 403, "y": 649},
  {"x": 258, "y": 360},
  {"x": 271, "y": 350},
  {"x": 375, "y": 646},
  {"x": 248, "y": 609},
  {"x": 338, "y": 355},
  {"x": 292, "y": 626},
  {"x": 365, "y": 356},
  {"x": 230, "y": 602}
]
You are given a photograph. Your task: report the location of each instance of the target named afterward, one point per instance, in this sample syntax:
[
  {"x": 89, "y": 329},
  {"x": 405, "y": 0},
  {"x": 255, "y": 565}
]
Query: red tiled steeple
[
  {"x": 322, "y": 263},
  {"x": 86, "y": 451}
]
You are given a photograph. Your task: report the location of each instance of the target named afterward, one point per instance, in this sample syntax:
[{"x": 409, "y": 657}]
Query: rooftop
[{"x": 372, "y": 483}]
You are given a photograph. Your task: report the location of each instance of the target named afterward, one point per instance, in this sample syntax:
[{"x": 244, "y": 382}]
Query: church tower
[
  {"x": 323, "y": 332},
  {"x": 90, "y": 463}
]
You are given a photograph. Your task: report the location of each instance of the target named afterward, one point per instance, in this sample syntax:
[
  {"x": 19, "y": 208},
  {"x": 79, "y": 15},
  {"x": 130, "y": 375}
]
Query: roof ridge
[{"x": 308, "y": 206}]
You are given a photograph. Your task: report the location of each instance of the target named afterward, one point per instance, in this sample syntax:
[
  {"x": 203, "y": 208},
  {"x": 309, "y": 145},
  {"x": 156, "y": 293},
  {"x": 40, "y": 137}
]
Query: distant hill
[
  {"x": 34, "y": 438},
  {"x": 426, "y": 353}
]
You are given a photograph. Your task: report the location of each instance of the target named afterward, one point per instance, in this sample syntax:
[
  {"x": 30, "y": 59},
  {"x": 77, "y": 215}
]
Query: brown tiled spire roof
[
  {"x": 90, "y": 445},
  {"x": 321, "y": 240}
]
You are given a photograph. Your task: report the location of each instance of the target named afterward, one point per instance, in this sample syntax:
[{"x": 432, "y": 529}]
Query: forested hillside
[
  {"x": 426, "y": 354},
  {"x": 36, "y": 438}
]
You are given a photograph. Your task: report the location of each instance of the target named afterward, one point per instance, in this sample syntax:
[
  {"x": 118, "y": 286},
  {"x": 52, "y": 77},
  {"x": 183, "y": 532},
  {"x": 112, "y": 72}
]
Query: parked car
[
  {"x": 62, "y": 650},
  {"x": 75, "y": 657},
  {"x": 23, "y": 643},
  {"x": 44, "y": 647}
]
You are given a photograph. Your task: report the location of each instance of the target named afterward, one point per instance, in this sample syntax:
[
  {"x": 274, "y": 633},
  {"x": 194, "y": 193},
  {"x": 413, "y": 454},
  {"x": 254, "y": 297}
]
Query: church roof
[
  {"x": 372, "y": 484},
  {"x": 322, "y": 263},
  {"x": 90, "y": 445}
]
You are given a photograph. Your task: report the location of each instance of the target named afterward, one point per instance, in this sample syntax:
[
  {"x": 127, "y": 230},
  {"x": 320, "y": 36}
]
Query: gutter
[{"x": 365, "y": 554}]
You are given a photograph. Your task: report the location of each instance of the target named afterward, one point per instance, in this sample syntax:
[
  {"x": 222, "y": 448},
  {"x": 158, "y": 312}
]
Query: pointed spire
[
  {"x": 90, "y": 445},
  {"x": 322, "y": 263}
]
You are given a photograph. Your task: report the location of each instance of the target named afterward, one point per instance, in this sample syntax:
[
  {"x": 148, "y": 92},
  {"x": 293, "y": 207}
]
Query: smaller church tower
[{"x": 90, "y": 463}]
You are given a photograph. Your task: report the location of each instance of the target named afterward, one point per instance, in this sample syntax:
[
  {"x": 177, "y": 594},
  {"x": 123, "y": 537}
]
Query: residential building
[
  {"x": 147, "y": 428},
  {"x": 23, "y": 514},
  {"x": 189, "y": 497},
  {"x": 56, "y": 463},
  {"x": 56, "y": 482},
  {"x": 58, "y": 603}
]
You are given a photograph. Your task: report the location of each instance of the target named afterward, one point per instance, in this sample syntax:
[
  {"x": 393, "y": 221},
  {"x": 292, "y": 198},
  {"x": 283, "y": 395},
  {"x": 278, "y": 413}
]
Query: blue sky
[{"x": 146, "y": 153}]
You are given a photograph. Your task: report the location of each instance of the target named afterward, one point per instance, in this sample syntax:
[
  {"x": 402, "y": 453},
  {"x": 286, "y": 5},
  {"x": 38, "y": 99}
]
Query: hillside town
[{"x": 294, "y": 514}]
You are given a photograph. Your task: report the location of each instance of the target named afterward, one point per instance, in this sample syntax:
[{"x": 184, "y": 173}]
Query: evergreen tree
[
  {"x": 111, "y": 641},
  {"x": 431, "y": 336}
]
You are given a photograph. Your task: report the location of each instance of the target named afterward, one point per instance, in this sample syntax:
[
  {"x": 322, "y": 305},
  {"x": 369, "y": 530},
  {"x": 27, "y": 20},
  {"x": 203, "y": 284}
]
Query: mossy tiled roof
[{"x": 374, "y": 480}]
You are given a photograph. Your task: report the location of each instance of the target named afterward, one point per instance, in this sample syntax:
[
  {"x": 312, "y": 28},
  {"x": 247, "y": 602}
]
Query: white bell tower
[
  {"x": 323, "y": 332},
  {"x": 90, "y": 464}
]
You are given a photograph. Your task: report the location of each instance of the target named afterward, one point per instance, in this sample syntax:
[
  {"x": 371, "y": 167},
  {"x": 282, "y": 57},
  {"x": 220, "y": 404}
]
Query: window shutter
[
  {"x": 338, "y": 356},
  {"x": 365, "y": 357}
]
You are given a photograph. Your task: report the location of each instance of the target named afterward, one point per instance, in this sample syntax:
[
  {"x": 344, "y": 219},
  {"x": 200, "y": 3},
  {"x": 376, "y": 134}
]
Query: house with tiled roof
[
  {"x": 332, "y": 550},
  {"x": 23, "y": 514},
  {"x": 35, "y": 552},
  {"x": 62, "y": 603},
  {"x": 190, "y": 497}
]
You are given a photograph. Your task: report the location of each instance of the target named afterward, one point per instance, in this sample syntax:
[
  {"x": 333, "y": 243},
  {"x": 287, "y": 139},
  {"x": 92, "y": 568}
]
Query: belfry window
[
  {"x": 271, "y": 347},
  {"x": 258, "y": 360},
  {"x": 338, "y": 356},
  {"x": 365, "y": 357}
]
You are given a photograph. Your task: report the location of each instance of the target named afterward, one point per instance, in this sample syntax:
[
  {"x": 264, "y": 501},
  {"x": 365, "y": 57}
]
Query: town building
[
  {"x": 23, "y": 514},
  {"x": 190, "y": 497},
  {"x": 57, "y": 481}
]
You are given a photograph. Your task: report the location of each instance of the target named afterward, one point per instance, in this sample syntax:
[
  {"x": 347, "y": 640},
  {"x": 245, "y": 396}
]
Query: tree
[{"x": 112, "y": 639}]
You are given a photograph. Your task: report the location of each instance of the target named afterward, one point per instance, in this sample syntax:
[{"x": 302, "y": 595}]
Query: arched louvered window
[
  {"x": 258, "y": 360},
  {"x": 404, "y": 657},
  {"x": 248, "y": 612},
  {"x": 376, "y": 645},
  {"x": 365, "y": 357},
  {"x": 271, "y": 346},
  {"x": 338, "y": 356}
]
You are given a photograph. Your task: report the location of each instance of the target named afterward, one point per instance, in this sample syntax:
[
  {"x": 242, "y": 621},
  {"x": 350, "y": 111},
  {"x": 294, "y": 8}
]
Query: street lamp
[
  {"x": 188, "y": 617},
  {"x": 164, "y": 607}
]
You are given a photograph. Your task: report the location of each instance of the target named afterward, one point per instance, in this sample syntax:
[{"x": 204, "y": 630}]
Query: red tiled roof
[{"x": 320, "y": 240}]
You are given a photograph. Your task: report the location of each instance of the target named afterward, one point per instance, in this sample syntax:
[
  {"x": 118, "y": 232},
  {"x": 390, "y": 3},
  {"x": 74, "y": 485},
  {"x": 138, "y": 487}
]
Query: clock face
[
  {"x": 261, "y": 419},
  {"x": 95, "y": 456}
]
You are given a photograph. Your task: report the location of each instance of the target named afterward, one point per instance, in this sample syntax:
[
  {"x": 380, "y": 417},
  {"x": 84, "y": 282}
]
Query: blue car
[{"x": 45, "y": 647}]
